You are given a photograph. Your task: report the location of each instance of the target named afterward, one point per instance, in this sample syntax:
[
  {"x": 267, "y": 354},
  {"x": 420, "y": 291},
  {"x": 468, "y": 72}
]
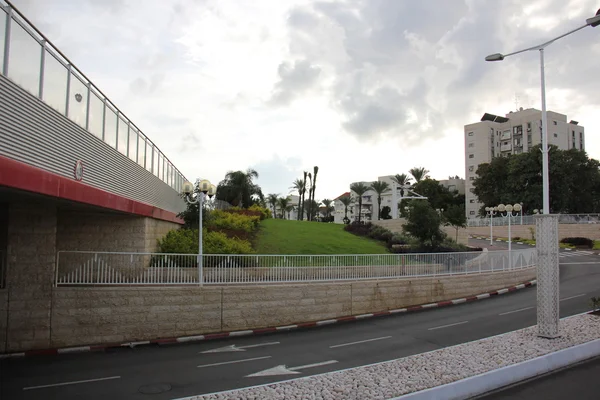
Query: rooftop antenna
[{"x": 516, "y": 102}]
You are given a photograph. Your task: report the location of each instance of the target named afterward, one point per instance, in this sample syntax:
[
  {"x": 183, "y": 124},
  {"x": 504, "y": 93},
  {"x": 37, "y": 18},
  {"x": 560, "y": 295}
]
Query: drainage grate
[{"x": 155, "y": 388}]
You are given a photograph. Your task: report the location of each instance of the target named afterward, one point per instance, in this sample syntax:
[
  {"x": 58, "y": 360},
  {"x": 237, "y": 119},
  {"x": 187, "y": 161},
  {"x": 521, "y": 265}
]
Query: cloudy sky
[{"x": 361, "y": 88}]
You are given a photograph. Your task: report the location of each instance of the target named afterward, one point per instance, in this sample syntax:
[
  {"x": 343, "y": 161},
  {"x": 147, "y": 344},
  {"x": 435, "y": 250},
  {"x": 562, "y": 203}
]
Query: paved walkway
[{"x": 577, "y": 383}]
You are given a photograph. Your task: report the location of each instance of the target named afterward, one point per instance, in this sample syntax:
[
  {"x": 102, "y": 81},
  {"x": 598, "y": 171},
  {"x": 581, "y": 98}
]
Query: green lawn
[{"x": 277, "y": 236}]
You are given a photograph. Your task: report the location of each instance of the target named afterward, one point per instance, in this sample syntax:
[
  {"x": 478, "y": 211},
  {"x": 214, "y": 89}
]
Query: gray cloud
[
  {"x": 294, "y": 80},
  {"x": 276, "y": 175},
  {"x": 409, "y": 71}
]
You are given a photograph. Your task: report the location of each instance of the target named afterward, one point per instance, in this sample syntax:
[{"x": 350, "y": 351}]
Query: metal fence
[
  {"x": 96, "y": 268},
  {"x": 3, "y": 268},
  {"x": 530, "y": 220}
]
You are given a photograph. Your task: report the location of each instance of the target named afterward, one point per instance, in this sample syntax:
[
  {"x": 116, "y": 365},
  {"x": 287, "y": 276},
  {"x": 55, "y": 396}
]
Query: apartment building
[{"x": 515, "y": 133}]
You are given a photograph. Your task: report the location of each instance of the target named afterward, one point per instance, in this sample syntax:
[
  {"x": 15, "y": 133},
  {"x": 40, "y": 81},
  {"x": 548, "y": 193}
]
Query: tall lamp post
[
  {"x": 593, "y": 22},
  {"x": 509, "y": 214},
  {"x": 204, "y": 188},
  {"x": 491, "y": 211}
]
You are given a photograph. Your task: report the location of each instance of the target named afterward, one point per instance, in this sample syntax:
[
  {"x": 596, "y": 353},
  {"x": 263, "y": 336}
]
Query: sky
[{"x": 359, "y": 88}]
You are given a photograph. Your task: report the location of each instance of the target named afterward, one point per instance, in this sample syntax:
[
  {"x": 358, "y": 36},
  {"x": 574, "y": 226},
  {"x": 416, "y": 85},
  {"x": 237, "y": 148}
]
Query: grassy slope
[{"x": 278, "y": 236}]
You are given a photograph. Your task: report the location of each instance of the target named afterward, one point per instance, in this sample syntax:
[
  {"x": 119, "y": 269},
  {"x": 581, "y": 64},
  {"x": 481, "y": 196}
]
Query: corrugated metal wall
[{"x": 34, "y": 133}]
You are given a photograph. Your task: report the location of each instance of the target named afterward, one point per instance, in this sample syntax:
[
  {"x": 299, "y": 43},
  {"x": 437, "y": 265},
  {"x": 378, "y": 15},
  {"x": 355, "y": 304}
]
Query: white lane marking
[
  {"x": 233, "y": 362},
  {"x": 483, "y": 296},
  {"x": 502, "y": 291},
  {"x": 577, "y": 263},
  {"x": 459, "y": 301},
  {"x": 572, "y": 297},
  {"x": 233, "y": 347},
  {"x": 326, "y": 322},
  {"x": 241, "y": 333},
  {"x": 71, "y": 383},
  {"x": 446, "y": 326},
  {"x": 514, "y": 311},
  {"x": 363, "y": 316},
  {"x": 400, "y": 310},
  {"x": 283, "y": 328},
  {"x": 283, "y": 370},
  {"x": 360, "y": 341},
  {"x": 190, "y": 338},
  {"x": 430, "y": 305}
]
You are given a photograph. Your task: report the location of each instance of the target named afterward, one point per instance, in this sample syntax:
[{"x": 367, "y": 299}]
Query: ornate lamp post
[
  {"x": 491, "y": 211},
  {"x": 509, "y": 213},
  {"x": 204, "y": 188}
]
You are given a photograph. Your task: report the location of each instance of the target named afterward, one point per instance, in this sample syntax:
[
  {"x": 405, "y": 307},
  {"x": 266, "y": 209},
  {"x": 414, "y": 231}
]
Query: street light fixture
[
  {"x": 491, "y": 211},
  {"x": 593, "y": 22},
  {"x": 204, "y": 188}
]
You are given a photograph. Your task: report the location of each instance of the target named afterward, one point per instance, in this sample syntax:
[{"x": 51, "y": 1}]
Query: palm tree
[
  {"x": 346, "y": 200},
  {"x": 289, "y": 209},
  {"x": 272, "y": 199},
  {"x": 379, "y": 188},
  {"x": 300, "y": 186},
  {"x": 314, "y": 184},
  {"x": 238, "y": 187},
  {"x": 419, "y": 174},
  {"x": 360, "y": 189},
  {"x": 327, "y": 204},
  {"x": 402, "y": 180},
  {"x": 283, "y": 203},
  {"x": 309, "y": 188}
]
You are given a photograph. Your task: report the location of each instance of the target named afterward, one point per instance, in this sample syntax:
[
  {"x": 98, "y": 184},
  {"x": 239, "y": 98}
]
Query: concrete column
[
  {"x": 547, "y": 275},
  {"x": 31, "y": 248}
]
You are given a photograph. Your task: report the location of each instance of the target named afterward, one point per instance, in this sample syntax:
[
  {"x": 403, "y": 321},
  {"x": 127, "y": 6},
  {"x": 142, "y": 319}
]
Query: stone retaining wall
[
  {"x": 591, "y": 231},
  {"x": 395, "y": 225},
  {"x": 105, "y": 315}
]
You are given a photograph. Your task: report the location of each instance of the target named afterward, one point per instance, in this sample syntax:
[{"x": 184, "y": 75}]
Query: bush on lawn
[
  {"x": 244, "y": 220},
  {"x": 265, "y": 213},
  {"x": 185, "y": 241},
  {"x": 578, "y": 241}
]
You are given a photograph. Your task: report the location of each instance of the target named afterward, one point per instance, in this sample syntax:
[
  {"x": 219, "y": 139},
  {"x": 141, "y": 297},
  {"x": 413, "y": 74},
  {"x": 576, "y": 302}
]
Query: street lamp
[
  {"x": 491, "y": 211},
  {"x": 204, "y": 188},
  {"x": 509, "y": 213},
  {"x": 593, "y": 22}
]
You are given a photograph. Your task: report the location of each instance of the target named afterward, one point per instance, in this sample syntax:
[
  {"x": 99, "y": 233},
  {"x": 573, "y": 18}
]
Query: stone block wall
[
  {"x": 3, "y": 319},
  {"x": 106, "y": 315},
  {"x": 156, "y": 229},
  {"x": 591, "y": 231}
]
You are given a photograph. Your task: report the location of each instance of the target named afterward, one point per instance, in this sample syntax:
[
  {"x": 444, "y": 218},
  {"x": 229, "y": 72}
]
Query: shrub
[
  {"x": 233, "y": 220},
  {"x": 516, "y": 238},
  {"x": 359, "y": 229},
  {"x": 185, "y": 241},
  {"x": 265, "y": 213},
  {"x": 578, "y": 241}
]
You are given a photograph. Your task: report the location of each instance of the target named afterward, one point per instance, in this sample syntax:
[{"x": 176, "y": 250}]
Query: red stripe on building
[{"x": 18, "y": 175}]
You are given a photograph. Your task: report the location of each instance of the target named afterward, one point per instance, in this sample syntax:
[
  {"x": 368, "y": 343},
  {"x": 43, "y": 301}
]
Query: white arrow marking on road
[
  {"x": 233, "y": 347},
  {"x": 283, "y": 370}
]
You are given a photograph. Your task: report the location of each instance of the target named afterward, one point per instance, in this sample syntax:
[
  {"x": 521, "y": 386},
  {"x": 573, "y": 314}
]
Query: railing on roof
[
  {"x": 530, "y": 220},
  {"x": 31, "y": 61},
  {"x": 86, "y": 268}
]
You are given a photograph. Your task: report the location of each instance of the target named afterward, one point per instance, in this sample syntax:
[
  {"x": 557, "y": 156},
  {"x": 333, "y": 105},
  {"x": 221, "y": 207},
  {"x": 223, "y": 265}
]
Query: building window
[
  {"x": 472, "y": 201},
  {"x": 555, "y": 123},
  {"x": 471, "y": 144},
  {"x": 471, "y": 212},
  {"x": 556, "y": 135},
  {"x": 471, "y": 155},
  {"x": 470, "y": 133},
  {"x": 471, "y": 190},
  {"x": 471, "y": 178},
  {"x": 471, "y": 168}
]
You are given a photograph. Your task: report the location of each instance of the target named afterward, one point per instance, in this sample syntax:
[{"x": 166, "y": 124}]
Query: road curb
[
  {"x": 259, "y": 331},
  {"x": 511, "y": 374}
]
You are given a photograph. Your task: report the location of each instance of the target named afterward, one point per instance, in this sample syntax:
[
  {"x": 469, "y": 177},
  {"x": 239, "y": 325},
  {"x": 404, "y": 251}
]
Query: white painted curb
[{"x": 498, "y": 378}]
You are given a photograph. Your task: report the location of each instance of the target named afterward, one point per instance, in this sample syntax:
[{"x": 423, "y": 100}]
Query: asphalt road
[{"x": 196, "y": 368}]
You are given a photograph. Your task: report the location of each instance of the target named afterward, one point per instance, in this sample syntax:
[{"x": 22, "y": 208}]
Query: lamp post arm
[{"x": 545, "y": 44}]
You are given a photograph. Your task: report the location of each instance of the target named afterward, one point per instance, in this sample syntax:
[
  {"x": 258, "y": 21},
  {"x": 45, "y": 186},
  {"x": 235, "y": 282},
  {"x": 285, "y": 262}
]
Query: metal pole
[
  {"x": 491, "y": 231},
  {"x": 7, "y": 41},
  {"x": 545, "y": 163},
  {"x": 200, "y": 271},
  {"x": 509, "y": 235}
]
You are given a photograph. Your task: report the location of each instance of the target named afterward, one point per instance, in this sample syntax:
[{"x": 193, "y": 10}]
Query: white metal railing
[
  {"x": 98, "y": 268},
  {"x": 3, "y": 264},
  {"x": 530, "y": 220}
]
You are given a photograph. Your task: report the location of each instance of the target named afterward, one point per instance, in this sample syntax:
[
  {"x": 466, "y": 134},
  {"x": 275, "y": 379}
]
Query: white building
[{"x": 515, "y": 133}]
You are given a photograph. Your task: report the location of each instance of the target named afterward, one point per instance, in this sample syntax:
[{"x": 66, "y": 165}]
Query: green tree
[
  {"x": 455, "y": 217},
  {"x": 360, "y": 189},
  {"x": 380, "y": 188},
  {"x": 239, "y": 189},
  {"x": 385, "y": 212},
  {"x": 403, "y": 181},
  {"x": 313, "y": 185},
  {"x": 312, "y": 209},
  {"x": 190, "y": 214},
  {"x": 300, "y": 186},
  {"x": 309, "y": 189},
  {"x": 346, "y": 200},
  {"x": 328, "y": 207},
  {"x": 272, "y": 199},
  {"x": 283, "y": 203},
  {"x": 423, "y": 223},
  {"x": 301, "y": 215},
  {"x": 419, "y": 174},
  {"x": 574, "y": 181},
  {"x": 437, "y": 195}
]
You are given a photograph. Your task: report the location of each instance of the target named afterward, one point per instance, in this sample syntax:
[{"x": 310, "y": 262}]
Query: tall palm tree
[
  {"x": 379, "y": 188},
  {"x": 314, "y": 184},
  {"x": 272, "y": 199},
  {"x": 283, "y": 203},
  {"x": 402, "y": 180},
  {"x": 305, "y": 208},
  {"x": 360, "y": 189},
  {"x": 238, "y": 187},
  {"x": 327, "y": 204},
  {"x": 300, "y": 186},
  {"x": 289, "y": 209},
  {"x": 301, "y": 211},
  {"x": 346, "y": 200},
  {"x": 419, "y": 173}
]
